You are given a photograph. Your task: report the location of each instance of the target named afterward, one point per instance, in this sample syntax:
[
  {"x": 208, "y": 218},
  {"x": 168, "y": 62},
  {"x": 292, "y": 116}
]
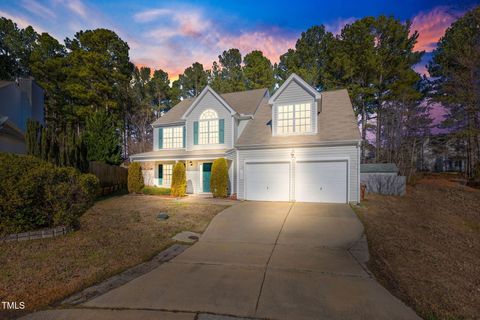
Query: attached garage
[
  {"x": 321, "y": 181},
  {"x": 268, "y": 181},
  {"x": 302, "y": 181}
]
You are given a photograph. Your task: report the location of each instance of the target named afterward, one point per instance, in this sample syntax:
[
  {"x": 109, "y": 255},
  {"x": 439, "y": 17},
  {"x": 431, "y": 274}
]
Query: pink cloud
[
  {"x": 431, "y": 26},
  {"x": 21, "y": 21},
  {"x": 176, "y": 39},
  {"x": 272, "y": 45}
]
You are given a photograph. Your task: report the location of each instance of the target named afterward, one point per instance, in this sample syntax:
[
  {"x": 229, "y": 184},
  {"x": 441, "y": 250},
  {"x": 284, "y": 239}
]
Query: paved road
[{"x": 258, "y": 260}]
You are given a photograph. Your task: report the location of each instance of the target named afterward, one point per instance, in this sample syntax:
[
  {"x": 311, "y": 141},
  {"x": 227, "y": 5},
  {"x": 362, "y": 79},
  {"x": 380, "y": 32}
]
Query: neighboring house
[
  {"x": 442, "y": 153},
  {"x": 19, "y": 101},
  {"x": 297, "y": 145}
]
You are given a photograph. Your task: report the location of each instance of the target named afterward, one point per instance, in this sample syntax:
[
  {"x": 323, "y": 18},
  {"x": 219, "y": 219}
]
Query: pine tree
[{"x": 102, "y": 139}]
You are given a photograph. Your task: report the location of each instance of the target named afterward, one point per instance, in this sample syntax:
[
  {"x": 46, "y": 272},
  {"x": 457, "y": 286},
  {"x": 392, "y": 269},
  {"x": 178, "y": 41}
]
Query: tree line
[{"x": 372, "y": 57}]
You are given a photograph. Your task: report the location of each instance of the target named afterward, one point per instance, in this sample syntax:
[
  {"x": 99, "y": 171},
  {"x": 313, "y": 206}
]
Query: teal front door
[{"x": 207, "y": 172}]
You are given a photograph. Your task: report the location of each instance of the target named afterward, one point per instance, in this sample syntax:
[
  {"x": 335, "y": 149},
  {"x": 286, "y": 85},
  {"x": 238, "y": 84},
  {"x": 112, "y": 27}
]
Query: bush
[
  {"x": 156, "y": 191},
  {"x": 36, "y": 194},
  {"x": 179, "y": 180},
  {"x": 219, "y": 178},
  {"x": 89, "y": 184},
  {"x": 135, "y": 178}
]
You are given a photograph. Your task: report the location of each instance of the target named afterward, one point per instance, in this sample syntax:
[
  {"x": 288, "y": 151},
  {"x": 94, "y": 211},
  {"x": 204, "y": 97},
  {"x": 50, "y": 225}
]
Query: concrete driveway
[{"x": 259, "y": 260}]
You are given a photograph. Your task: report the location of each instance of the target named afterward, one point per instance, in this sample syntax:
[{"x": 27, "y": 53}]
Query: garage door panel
[
  {"x": 321, "y": 181},
  {"x": 267, "y": 181}
]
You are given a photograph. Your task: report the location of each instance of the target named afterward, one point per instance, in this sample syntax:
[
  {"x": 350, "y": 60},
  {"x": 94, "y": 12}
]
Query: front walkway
[{"x": 258, "y": 260}]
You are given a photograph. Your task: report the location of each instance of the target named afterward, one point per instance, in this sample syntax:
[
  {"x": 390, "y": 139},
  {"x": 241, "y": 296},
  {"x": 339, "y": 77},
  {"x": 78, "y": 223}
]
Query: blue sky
[{"x": 171, "y": 35}]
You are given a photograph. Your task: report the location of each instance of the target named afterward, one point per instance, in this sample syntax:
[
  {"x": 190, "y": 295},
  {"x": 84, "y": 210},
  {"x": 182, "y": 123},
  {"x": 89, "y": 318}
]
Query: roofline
[
  {"x": 301, "y": 82},
  {"x": 168, "y": 124},
  {"x": 187, "y": 156},
  {"x": 200, "y": 96},
  {"x": 299, "y": 145}
]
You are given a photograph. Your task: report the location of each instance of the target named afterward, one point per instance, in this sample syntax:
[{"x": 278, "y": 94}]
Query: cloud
[
  {"x": 37, "y": 8},
  {"x": 337, "y": 26},
  {"x": 173, "y": 23},
  {"x": 150, "y": 15},
  {"x": 21, "y": 21},
  {"x": 77, "y": 7},
  {"x": 431, "y": 26},
  {"x": 177, "y": 38},
  {"x": 272, "y": 45}
]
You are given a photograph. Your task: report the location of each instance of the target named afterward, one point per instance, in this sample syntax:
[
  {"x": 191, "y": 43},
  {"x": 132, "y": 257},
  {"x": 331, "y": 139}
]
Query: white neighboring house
[{"x": 297, "y": 145}]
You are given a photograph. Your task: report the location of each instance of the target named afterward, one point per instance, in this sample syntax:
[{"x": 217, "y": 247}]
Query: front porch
[{"x": 159, "y": 173}]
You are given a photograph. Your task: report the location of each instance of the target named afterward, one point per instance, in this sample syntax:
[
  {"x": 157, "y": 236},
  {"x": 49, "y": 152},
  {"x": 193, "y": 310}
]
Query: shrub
[
  {"x": 36, "y": 194},
  {"x": 135, "y": 178},
  {"x": 156, "y": 191},
  {"x": 179, "y": 180},
  {"x": 89, "y": 184},
  {"x": 219, "y": 178}
]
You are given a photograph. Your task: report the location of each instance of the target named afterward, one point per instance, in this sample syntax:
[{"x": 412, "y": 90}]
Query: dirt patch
[
  {"x": 115, "y": 234},
  {"x": 425, "y": 247}
]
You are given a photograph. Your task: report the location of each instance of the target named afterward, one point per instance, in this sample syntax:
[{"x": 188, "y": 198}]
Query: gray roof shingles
[
  {"x": 336, "y": 122},
  {"x": 243, "y": 102}
]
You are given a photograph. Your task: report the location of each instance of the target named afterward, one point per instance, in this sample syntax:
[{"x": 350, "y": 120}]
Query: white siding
[
  {"x": 294, "y": 93},
  {"x": 232, "y": 170},
  {"x": 209, "y": 101},
  {"x": 311, "y": 153}
]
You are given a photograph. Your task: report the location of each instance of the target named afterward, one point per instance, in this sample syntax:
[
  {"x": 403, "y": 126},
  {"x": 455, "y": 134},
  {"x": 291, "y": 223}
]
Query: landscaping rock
[{"x": 187, "y": 236}]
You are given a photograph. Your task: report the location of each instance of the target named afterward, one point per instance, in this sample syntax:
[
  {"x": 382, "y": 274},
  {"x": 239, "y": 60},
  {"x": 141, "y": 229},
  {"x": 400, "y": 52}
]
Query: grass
[
  {"x": 115, "y": 234},
  {"x": 425, "y": 246},
  {"x": 156, "y": 191}
]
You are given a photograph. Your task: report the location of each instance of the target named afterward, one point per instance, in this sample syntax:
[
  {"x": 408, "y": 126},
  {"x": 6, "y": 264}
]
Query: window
[
  {"x": 165, "y": 174},
  {"x": 208, "y": 127},
  {"x": 173, "y": 138},
  {"x": 294, "y": 118}
]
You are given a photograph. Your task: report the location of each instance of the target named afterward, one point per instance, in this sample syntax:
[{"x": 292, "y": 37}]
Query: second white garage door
[
  {"x": 321, "y": 181},
  {"x": 267, "y": 181}
]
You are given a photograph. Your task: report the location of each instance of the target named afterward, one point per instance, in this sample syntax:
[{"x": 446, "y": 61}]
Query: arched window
[
  {"x": 208, "y": 114},
  {"x": 208, "y": 127}
]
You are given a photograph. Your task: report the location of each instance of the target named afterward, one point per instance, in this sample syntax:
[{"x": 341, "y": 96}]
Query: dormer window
[
  {"x": 294, "y": 118},
  {"x": 208, "y": 127}
]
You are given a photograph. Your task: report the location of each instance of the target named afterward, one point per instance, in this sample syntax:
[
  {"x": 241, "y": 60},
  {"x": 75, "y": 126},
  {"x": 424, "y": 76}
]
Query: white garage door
[
  {"x": 321, "y": 181},
  {"x": 267, "y": 181}
]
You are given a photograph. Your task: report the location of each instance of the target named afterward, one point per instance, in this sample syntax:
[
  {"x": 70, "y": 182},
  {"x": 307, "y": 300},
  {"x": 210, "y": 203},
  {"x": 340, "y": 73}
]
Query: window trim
[
  {"x": 313, "y": 126},
  {"x": 162, "y": 178},
  {"x": 173, "y": 138},
  {"x": 208, "y": 122}
]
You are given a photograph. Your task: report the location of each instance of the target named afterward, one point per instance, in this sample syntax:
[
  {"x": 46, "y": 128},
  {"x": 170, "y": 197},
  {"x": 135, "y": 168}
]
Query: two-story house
[
  {"x": 296, "y": 145},
  {"x": 19, "y": 101}
]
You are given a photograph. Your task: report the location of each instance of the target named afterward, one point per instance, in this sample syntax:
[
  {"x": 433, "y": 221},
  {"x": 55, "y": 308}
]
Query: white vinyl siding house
[
  {"x": 208, "y": 101},
  {"x": 322, "y": 157},
  {"x": 296, "y": 145}
]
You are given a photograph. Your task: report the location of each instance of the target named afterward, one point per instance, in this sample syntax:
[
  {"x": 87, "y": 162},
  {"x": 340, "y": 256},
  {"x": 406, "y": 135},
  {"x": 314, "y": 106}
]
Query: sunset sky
[{"x": 171, "y": 35}]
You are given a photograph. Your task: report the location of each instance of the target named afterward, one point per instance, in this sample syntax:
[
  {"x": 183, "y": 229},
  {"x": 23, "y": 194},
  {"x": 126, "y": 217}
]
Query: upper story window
[
  {"x": 173, "y": 138},
  {"x": 208, "y": 127},
  {"x": 294, "y": 118}
]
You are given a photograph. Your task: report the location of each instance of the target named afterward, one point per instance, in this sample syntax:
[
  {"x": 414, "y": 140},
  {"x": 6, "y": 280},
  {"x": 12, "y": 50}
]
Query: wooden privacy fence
[{"x": 112, "y": 178}]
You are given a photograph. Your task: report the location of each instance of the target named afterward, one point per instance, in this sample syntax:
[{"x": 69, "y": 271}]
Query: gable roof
[
  {"x": 300, "y": 82},
  {"x": 242, "y": 102},
  {"x": 335, "y": 123},
  {"x": 201, "y": 95}
]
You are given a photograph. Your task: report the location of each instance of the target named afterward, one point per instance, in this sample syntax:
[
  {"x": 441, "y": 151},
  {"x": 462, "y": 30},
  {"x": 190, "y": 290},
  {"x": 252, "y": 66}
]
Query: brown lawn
[
  {"x": 115, "y": 234},
  {"x": 425, "y": 246}
]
